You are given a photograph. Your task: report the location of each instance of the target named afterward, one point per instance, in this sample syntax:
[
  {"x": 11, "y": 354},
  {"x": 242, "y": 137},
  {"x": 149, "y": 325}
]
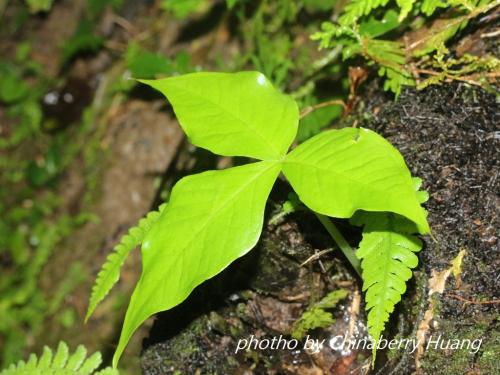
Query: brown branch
[
  {"x": 469, "y": 302},
  {"x": 312, "y": 108},
  {"x": 316, "y": 256},
  {"x": 124, "y": 24},
  {"x": 468, "y": 79}
]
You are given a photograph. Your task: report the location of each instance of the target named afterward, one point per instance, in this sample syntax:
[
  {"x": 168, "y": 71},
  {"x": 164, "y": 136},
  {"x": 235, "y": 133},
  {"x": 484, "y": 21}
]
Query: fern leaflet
[
  {"x": 358, "y": 8},
  {"x": 387, "y": 257},
  {"x": 395, "y": 79},
  {"x": 110, "y": 272},
  {"x": 316, "y": 316},
  {"x": 429, "y": 6},
  {"x": 60, "y": 363},
  {"x": 406, "y": 7},
  {"x": 387, "y": 252}
]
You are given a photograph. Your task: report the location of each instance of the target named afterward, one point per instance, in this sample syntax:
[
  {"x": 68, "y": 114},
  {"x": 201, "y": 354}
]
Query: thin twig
[
  {"x": 312, "y": 108},
  {"x": 491, "y": 34},
  {"x": 340, "y": 241},
  {"x": 124, "y": 24},
  {"x": 354, "y": 312},
  {"x": 316, "y": 256},
  {"x": 468, "y": 79},
  {"x": 469, "y": 302}
]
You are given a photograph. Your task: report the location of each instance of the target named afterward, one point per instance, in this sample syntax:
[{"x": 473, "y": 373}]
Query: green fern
[
  {"x": 361, "y": 23},
  {"x": 406, "y": 7},
  {"x": 428, "y": 7},
  {"x": 467, "y": 68},
  {"x": 387, "y": 257},
  {"x": 387, "y": 252},
  {"x": 358, "y": 8},
  {"x": 60, "y": 363},
  {"x": 316, "y": 316},
  {"x": 395, "y": 79},
  {"x": 110, "y": 272},
  {"x": 390, "y": 56}
]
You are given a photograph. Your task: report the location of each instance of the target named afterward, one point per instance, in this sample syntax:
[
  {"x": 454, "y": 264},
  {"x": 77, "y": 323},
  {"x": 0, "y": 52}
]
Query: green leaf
[
  {"x": 231, "y": 3},
  {"x": 311, "y": 319},
  {"x": 84, "y": 40},
  {"x": 232, "y": 114},
  {"x": 110, "y": 272},
  {"x": 358, "y": 8},
  {"x": 395, "y": 79},
  {"x": 76, "y": 359},
  {"x": 36, "y": 6},
  {"x": 212, "y": 219},
  {"x": 183, "y": 8},
  {"x": 12, "y": 86},
  {"x": 50, "y": 364},
  {"x": 406, "y": 7},
  {"x": 428, "y": 7},
  {"x": 340, "y": 171},
  {"x": 61, "y": 356},
  {"x": 146, "y": 64},
  {"x": 315, "y": 316},
  {"x": 387, "y": 257},
  {"x": 373, "y": 27}
]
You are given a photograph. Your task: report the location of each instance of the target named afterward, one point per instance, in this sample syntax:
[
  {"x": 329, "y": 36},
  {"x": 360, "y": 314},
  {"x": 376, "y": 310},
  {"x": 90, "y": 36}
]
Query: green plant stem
[{"x": 340, "y": 241}]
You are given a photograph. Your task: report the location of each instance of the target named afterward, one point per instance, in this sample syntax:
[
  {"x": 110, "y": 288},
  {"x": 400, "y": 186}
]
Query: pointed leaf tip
[
  {"x": 341, "y": 171},
  {"x": 212, "y": 219},
  {"x": 232, "y": 114}
]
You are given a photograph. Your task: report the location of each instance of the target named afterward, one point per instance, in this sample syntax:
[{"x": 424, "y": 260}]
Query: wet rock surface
[
  {"x": 261, "y": 296},
  {"x": 449, "y": 137}
]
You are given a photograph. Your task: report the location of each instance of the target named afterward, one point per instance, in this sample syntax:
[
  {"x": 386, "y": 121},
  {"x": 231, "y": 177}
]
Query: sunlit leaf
[
  {"x": 341, "y": 171},
  {"x": 211, "y": 219},
  {"x": 233, "y": 114},
  {"x": 387, "y": 258}
]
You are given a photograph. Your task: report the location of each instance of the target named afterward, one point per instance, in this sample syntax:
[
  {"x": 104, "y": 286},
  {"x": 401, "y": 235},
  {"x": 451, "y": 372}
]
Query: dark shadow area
[{"x": 204, "y": 25}]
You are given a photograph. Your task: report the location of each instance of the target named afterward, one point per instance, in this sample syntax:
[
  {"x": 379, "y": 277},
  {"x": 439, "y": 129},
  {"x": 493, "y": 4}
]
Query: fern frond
[
  {"x": 316, "y": 316},
  {"x": 422, "y": 195},
  {"x": 474, "y": 69},
  {"x": 390, "y": 56},
  {"x": 395, "y": 79},
  {"x": 428, "y": 7},
  {"x": 110, "y": 272},
  {"x": 60, "y": 363},
  {"x": 387, "y": 253},
  {"x": 406, "y": 7},
  {"x": 358, "y": 8}
]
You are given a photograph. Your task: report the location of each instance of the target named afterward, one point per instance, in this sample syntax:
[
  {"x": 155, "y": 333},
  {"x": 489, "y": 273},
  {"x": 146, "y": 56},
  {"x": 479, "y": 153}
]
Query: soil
[{"x": 449, "y": 137}]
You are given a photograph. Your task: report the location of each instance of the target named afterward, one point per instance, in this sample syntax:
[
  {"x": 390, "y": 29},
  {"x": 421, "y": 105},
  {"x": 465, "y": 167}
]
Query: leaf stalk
[{"x": 340, "y": 241}]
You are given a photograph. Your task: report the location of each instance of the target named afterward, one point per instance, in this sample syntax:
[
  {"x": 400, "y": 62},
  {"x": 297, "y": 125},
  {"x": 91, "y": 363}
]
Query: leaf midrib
[
  {"x": 231, "y": 198},
  {"x": 381, "y": 297},
  {"x": 250, "y": 125},
  {"x": 346, "y": 176}
]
